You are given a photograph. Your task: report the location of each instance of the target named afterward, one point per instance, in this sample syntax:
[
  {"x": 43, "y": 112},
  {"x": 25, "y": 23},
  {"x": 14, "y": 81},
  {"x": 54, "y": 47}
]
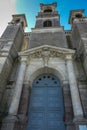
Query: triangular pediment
[{"x": 47, "y": 50}]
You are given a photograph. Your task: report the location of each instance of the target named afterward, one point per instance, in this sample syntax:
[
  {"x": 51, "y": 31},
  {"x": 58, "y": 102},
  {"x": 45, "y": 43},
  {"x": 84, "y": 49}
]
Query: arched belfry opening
[
  {"x": 46, "y": 108},
  {"x": 79, "y": 15},
  {"x": 49, "y": 10},
  {"x": 47, "y": 23}
]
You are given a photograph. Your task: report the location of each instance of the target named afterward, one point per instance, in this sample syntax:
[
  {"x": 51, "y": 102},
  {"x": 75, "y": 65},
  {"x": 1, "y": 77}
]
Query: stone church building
[{"x": 43, "y": 73}]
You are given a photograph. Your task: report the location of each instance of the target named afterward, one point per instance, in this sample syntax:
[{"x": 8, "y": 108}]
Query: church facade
[{"x": 43, "y": 73}]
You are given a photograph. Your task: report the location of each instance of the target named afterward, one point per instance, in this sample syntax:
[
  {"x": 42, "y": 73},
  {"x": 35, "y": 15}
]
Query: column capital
[
  {"x": 69, "y": 57},
  {"x": 65, "y": 82},
  {"x": 23, "y": 59}
]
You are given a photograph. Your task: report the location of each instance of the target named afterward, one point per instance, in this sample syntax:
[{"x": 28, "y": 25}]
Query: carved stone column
[
  {"x": 77, "y": 108},
  {"x": 18, "y": 88},
  {"x": 9, "y": 123}
]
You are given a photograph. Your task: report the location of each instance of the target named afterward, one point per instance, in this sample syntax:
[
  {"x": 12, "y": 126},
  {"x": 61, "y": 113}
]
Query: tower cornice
[{"x": 47, "y": 29}]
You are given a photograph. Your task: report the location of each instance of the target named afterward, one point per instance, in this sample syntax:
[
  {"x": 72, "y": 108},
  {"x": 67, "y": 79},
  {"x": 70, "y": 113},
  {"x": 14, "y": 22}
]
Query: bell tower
[
  {"x": 48, "y": 16},
  {"x": 76, "y": 16},
  {"x": 48, "y": 30},
  {"x": 78, "y": 20}
]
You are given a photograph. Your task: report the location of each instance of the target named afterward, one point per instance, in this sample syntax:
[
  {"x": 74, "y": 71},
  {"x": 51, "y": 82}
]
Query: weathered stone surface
[
  {"x": 83, "y": 96},
  {"x": 9, "y": 123},
  {"x": 67, "y": 103},
  {"x": 24, "y": 102},
  {"x": 77, "y": 107},
  {"x": 51, "y": 38},
  {"x": 40, "y": 22},
  {"x": 10, "y": 32},
  {"x": 5, "y": 71}
]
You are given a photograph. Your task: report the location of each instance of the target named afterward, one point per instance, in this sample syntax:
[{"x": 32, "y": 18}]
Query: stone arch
[
  {"x": 48, "y": 10},
  {"x": 48, "y": 71},
  {"x": 47, "y": 23},
  {"x": 79, "y": 15},
  {"x": 41, "y": 95}
]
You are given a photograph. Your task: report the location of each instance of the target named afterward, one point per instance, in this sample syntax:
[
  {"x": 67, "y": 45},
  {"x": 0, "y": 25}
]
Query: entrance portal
[{"x": 46, "y": 110}]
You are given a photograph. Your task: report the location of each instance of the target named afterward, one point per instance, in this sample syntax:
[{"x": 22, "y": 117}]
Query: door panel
[{"x": 46, "y": 108}]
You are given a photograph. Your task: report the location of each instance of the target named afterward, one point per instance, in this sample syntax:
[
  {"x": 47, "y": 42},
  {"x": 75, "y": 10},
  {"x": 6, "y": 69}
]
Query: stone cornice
[
  {"x": 45, "y": 18},
  {"x": 47, "y": 29},
  {"x": 47, "y": 51}
]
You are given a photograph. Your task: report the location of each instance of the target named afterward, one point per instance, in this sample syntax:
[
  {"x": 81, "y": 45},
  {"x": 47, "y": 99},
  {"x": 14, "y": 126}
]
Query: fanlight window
[{"x": 47, "y": 23}]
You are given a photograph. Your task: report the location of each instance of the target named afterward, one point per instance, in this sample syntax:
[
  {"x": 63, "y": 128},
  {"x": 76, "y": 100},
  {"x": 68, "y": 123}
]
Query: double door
[{"x": 46, "y": 110}]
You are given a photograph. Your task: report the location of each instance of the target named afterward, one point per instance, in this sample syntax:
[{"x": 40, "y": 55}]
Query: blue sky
[
  {"x": 31, "y": 8},
  {"x": 7, "y": 8}
]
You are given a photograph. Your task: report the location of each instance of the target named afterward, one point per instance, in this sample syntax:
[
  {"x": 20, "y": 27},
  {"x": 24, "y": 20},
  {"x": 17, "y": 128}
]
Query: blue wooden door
[{"x": 46, "y": 110}]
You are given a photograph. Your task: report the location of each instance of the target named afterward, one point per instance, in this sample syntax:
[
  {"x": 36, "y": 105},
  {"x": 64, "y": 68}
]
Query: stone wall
[
  {"x": 40, "y": 22},
  {"x": 79, "y": 41},
  {"x": 10, "y": 43},
  {"x": 48, "y": 38},
  {"x": 4, "y": 76},
  {"x": 83, "y": 97},
  {"x": 82, "y": 27},
  {"x": 67, "y": 104},
  {"x": 10, "y": 32},
  {"x": 9, "y": 87},
  {"x": 68, "y": 119},
  {"x": 75, "y": 37}
]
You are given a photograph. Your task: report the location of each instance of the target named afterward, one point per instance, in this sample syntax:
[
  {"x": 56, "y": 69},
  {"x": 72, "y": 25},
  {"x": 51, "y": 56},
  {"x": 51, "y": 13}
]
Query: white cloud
[{"x": 7, "y": 8}]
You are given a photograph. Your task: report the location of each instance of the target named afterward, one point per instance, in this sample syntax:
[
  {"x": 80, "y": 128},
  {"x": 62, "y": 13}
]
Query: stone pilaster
[
  {"x": 67, "y": 102},
  {"x": 68, "y": 116},
  {"x": 24, "y": 106},
  {"x": 77, "y": 108}
]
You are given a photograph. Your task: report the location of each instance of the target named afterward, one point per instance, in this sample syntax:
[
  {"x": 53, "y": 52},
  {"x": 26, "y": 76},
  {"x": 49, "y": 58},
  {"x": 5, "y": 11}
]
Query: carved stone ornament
[
  {"x": 45, "y": 56},
  {"x": 45, "y": 52}
]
